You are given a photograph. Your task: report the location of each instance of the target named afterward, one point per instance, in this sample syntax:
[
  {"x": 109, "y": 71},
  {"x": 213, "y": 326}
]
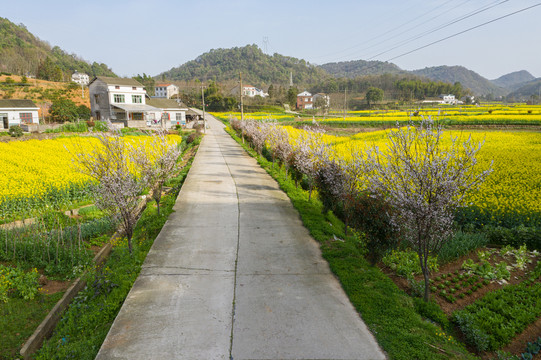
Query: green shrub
[
  {"x": 531, "y": 236},
  {"x": 461, "y": 244},
  {"x": 100, "y": 126},
  {"x": 16, "y": 282},
  {"x": 15, "y": 131}
]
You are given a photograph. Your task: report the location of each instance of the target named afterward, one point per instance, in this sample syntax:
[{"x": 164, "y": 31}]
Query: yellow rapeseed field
[
  {"x": 512, "y": 193},
  {"x": 41, "y": 173}
]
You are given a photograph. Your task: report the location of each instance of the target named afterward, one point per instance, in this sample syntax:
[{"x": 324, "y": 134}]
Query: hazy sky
[{"x": 152, "y": 36}]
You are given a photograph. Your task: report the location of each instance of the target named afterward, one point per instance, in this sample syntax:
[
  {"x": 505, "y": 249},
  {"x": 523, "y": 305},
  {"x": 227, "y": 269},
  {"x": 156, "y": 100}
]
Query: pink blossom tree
[
  {"x": 156, "y": 160},
  {"x": 117, "y": 189},
  {"x": 425, "y": 181}
]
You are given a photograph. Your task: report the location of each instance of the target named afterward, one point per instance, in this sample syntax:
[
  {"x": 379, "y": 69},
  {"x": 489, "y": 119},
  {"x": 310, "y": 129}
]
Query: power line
[
  {"x": 465, "y": 31},
  {"x": 452, "y": 22},
  {"x": 387, "y": 32}
]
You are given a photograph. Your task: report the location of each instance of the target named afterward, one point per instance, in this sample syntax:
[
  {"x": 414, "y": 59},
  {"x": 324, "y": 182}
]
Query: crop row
[{"x": 493, "y": 321}]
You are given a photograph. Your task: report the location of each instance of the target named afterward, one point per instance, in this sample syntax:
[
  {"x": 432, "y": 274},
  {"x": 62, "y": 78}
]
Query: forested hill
[
  {"x": 257, "y": 68},
  {"x": 22, "y": 53},
  {"x": 514, "y": 80},
  {"x": 468, "y": 78},
  {"x": 353, "y": 69}
]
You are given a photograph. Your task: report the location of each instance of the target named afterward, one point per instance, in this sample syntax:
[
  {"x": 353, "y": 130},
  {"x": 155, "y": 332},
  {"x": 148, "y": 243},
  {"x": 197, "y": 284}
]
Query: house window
[
  {"x": 134, "y": 88},
  {"x": 179, "y": 116},
  {"x": 137, "y": 99},
  {"x": 96, "y": 98},
  {"x": 117, "y": 87},
  {"x": 118, "y": 98},
  {"x": 137, "y": 116},
  {"x": 26, "y": 118}
]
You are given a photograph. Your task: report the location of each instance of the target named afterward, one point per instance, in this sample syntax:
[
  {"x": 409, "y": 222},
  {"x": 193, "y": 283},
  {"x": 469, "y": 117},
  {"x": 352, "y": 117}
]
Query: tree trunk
[
  {"x": 129, "y": 235},
  {"x": 427, "y": 285}
]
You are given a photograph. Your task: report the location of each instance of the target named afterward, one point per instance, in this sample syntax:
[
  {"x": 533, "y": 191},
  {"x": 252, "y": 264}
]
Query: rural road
[{"x": 235, "y": 275}]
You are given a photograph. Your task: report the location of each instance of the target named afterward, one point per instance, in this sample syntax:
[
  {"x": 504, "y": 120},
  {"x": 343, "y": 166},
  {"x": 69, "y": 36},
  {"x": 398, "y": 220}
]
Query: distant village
[{"x": 125, "y": 103}]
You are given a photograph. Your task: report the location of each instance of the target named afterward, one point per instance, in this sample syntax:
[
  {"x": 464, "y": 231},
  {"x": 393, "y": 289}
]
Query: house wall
[
  {"x": 13, "y": 116},
  {"x": 100, "y": 105},
  {"x": 127, "y": 91}
]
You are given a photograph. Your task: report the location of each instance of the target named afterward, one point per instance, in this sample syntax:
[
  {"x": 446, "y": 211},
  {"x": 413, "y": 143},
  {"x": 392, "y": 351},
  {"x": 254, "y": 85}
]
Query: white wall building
[
  {"x": 17, "y": 112},
  {"x": 80, "y": 78},
  {"x": 118, "y": 99},
  {"x": 170, "y": 114},
  {"x": 448, "y": 99},
  {"x": 165, "y": 90}
]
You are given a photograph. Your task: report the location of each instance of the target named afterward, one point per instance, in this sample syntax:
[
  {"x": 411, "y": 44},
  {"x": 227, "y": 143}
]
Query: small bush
[
  {"x": 192, "y": 137},
  {"x": 100, "y": 126},
  {"x": 15, "y": 131},
  {"x": 520, "y": 235}
]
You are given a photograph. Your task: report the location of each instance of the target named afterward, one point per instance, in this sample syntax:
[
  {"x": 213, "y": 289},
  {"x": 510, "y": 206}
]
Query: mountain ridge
[{"x": 23, "y": 53}]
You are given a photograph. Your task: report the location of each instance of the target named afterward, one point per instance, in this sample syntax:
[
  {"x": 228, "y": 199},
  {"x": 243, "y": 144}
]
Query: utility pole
[
  {"x": 204, "y": 121},
  {"x": 241, "y": 97},
  {"x": 345, "y": 102}
]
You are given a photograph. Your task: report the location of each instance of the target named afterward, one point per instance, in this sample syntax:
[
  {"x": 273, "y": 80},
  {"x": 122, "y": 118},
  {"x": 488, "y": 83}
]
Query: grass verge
[
  {"x": 86, "y": 322},
  {"x": 18, "y": 320},
  {"x": 388, "y": 312}
]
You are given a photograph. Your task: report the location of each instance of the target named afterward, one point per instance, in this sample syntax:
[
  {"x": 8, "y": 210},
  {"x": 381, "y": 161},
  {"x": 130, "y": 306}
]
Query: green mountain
[
  {"x": 526, "y": 91},
  {"x": 257, "y": 68},
  {"x": 468, "y": 78},
  {"x": 22, "y": 53},
  {"x": 353, "y": 69},
  {"x": 514, "y": 80}
]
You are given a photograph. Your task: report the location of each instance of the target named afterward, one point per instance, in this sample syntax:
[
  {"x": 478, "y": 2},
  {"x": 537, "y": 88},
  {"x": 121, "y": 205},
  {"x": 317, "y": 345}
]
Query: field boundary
[{"x": 47, "y": 326}]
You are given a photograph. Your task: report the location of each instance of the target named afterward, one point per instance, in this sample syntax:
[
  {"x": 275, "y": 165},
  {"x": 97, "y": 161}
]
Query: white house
[
  {"x": 448, "y": 99},
  {"x": 170, "y": 112},
  {"x": 119, "y": 100},
  {"x": 80, "y": 78},
  {"x": 305, "y": 100},
  {"x": 17, "y": 112},
  {"x": 165, "y": 90},
  {"x": 249, "y": 91}
]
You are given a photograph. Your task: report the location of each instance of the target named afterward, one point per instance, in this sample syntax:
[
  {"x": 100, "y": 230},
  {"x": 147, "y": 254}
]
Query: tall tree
[{"x": 373, "y": 95}]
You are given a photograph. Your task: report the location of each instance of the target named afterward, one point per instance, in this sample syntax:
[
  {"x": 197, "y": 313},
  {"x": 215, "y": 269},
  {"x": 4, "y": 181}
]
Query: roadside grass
[
  {"x": 18, "y": 320},
  {"x": 86, "y": 322},
  {"x": 387, "y": 311}
]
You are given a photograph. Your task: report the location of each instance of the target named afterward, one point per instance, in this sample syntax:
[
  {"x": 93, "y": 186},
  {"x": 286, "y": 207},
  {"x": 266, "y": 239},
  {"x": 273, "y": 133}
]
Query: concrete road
[{"x": 235, "y": 275}]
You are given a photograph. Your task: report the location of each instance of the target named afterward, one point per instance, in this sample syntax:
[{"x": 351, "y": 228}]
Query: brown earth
[
  {"x": 30, "y": 93},
  {"x": 518, "y": 345}
]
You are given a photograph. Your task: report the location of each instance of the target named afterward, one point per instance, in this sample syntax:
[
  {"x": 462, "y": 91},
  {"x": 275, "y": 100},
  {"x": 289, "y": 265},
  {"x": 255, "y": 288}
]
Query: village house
[
  {"x": 120, "y": 100},
  {"x": 305, "y": 100},
  {"x": 171, "y": 113},
  {"x": 249, "y": 91},
  {"x": 17, "y": 112},
  {"x": 166, "y": 91},
  {"x": 80, "y": 78}
]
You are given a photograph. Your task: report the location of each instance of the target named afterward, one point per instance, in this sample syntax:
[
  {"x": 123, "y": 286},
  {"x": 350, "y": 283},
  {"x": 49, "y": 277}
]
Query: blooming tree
[
  {"x": 425, "y": 181},
  {"x": 117, "y": 189},
  {"x": 157, "y": 161}
]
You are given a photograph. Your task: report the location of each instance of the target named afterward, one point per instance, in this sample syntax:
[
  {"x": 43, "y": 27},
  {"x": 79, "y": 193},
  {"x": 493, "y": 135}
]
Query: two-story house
[
  {"x": 305, "y": 100},
  {"x": 165, "y": 90},
  {"x": 119, "y": 100},
  {"x": 80, "y": 78},
  {"x": 17, "y": 112}
]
